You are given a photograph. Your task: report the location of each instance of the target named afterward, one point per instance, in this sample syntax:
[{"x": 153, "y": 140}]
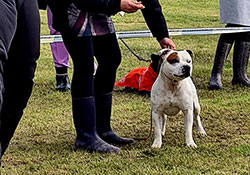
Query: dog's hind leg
[
  {"x": 164, "y": 122},
  {"x": 200, "y": 128},
  {"x": 188, "y": 123},
  {"x": 157, "y": 121}
]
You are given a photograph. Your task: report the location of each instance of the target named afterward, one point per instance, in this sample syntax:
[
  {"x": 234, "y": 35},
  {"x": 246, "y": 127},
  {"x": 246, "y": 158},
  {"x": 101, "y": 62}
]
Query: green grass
[{"x": 44, "y": 140}]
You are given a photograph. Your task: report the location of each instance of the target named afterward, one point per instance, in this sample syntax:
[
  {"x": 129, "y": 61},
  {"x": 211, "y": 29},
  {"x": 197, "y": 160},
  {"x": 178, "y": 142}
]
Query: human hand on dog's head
[{"x": 167, "y": 43}]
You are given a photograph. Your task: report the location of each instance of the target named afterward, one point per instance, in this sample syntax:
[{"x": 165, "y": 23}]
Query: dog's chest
[
  {"x": 170, "y": 101},
  {"x": 167, "y": 103},
  {"x": 171, "y": 105}
]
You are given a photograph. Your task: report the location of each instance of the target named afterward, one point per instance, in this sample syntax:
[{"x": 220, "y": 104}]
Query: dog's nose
[{"x": 185, "y": 69}]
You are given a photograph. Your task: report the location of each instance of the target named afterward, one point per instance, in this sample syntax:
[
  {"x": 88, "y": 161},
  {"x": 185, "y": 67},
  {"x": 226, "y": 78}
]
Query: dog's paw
[
  {"x": 156, "y": 145},
  {"x": 191, "y": 144},
  {"x": 202, "y": 132},
  {"x": 163, "y": 133}
]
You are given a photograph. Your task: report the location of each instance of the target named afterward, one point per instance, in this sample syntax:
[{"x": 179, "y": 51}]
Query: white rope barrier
[{"x": 172, "y": 32}]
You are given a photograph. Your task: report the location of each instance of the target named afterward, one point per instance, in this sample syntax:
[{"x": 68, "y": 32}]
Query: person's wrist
[{"x": 161, "y": 37}]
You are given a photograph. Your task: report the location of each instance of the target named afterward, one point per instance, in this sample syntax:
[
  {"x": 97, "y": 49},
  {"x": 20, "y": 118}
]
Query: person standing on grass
[
  {"x": 233, "y": 14},
  {"x": 60, "y": 58},
  {"x": 20, "y": 19},
  {"x": 87, "y": 31}
]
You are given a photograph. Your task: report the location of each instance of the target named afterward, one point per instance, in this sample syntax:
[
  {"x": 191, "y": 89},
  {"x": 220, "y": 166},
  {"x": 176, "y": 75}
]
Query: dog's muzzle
[{"x": 186, "y": 70}]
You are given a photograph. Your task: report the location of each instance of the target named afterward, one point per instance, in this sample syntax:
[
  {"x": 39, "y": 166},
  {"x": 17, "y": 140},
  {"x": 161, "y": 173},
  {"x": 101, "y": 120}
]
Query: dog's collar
[{"x": 175, "y": 81}]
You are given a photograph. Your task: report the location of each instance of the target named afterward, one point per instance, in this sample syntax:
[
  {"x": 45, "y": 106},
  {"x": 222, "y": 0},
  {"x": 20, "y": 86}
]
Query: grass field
[{"x": 44, "y": 141}]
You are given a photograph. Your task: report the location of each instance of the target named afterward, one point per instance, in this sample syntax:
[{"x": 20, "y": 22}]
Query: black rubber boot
[
  {"x": 62, "y": 82},
  {"x": 103, "y": 116},
  {"x": 62, "y": 79},
  {"x": 85, "y": 124},
  {"x": 221, "y": 55},
  {"x": 240, "y": 62}
]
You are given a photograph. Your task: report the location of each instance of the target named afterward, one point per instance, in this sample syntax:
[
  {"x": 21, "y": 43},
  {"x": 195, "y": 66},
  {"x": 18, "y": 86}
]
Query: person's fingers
[
  {"x": 134, "y": 6},
  {"x": 130, "y": 6},
  {"x": 137, "y": 2},
  {"x": 172, "y": 45},
  {"x": 167, "y": 43}
]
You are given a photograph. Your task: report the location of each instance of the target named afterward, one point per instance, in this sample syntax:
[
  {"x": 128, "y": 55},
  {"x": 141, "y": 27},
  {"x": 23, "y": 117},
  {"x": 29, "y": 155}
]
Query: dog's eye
[
  {"x": 188, "y": 61},
  {"x": 173, "y": 61}
]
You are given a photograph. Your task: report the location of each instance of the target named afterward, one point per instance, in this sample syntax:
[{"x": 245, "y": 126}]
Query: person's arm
[
  {"x": 156, "y": 22},
  {"x": 109, "y": 7}
]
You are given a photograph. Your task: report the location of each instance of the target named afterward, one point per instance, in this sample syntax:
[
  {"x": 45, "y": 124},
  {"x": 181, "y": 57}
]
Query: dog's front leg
[
  {"x": 164, "y": 123},
  {"x": 188, "y": 123},
  {"x": 157, "y": 122}
]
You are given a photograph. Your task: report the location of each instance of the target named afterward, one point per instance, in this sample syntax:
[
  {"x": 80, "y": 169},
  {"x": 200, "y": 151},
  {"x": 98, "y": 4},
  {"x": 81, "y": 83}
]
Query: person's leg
[
  {"x": 8, "y": 19},
  {"x": 108, "y": 57},
  {"x": 83, "y": 102},
  {"x": 19, "y": 69},
  {"x": 60, "y": 58},
  {"x": 3, "y": 57},
  {"x": 223, "y": 48},
  {"x": 240, "y": 59}
]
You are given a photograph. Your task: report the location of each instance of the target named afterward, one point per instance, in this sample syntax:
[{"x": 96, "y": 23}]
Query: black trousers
[
  {"x": 106, "y": 50},
  {"x": 19, "y": 68},
  {"x": 8, "y": 18}
]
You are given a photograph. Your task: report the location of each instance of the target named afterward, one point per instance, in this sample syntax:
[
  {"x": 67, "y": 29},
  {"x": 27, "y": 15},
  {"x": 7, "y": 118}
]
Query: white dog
[{"x": 172, "y": 91}]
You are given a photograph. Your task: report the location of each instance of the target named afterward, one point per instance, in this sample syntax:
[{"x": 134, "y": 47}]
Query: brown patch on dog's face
[{"x": 173, "y": 58}]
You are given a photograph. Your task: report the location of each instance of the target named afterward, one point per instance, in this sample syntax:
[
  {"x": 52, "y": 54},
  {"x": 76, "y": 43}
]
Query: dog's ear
[
  {"x": 190, "y": 53},
  {"x": 155, "y": 58},
  {"x": 163, "y": 52},
  {"x": 155, "y": 62}
]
